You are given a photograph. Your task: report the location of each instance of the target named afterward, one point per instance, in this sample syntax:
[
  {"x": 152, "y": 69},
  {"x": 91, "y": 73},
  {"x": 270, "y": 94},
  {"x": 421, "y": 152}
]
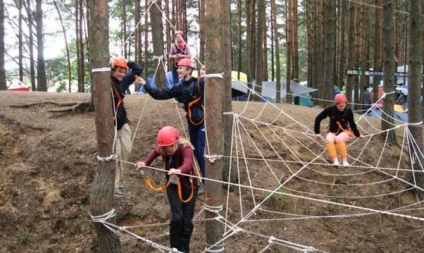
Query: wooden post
[
  {"x": 214, "y": 102},
  {"x": 101, "y": 198}
]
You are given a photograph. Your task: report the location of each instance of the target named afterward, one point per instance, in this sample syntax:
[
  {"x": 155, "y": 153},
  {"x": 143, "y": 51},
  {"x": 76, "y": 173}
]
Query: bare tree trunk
[
  {"x": 228, "y": 118},
  {"x": 330, "y": 37},
  {"x": 239, "y": 37},
  {"x": 365, "y": 55},
  {"x": 66, "y": 45},
  {"x": 81, "y": 68},
  {"x": 249, "y": 44},
  {"x": 41, "y": 68},
  {"x": 214, "y": 96},
  {"x": 289, "y": 58},
  {"x": 202, "y": 11},
  {"x": 101, "y": 199},
  {"x": 358, "y": 55},
  {"x": 157, "y": 32},
  {"x": 415, "y": 111},
  {"x": 21, "y": 46},
  {"x": 31, "y": 43},
  {"x": 259, "y": 48},
  {"x": 137, "y": 45},
  {"x": 3, "y": 85},
  {"x": 341, "y": 51},
  {"x": 389, "y": 67},
  {"x": 378, "y": 36},
  {"x": 308, "y": 5},
  {"x": 146, "y": 35},
  {"x": 295, "y": 42},
  {"x": 124, "y": 28},
  {"x": 277, "y": 52},
  {"x": 264, "y": 47},
  {"x": 351, "y": 50}
]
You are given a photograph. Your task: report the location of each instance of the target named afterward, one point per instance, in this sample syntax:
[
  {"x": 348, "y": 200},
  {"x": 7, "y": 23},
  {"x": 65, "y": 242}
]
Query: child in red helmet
[
  {"x": 342, "y": 127},
  {"x": 190, "y": 92},
  {"x": 179, "y": 50},
  {"x": 177, "y": 153}
]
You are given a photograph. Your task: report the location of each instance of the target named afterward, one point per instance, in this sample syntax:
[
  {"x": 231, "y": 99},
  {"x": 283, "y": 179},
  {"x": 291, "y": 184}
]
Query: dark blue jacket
[
  {"x": 185, "y": 92},
  {"x": 121, "y": 87}
]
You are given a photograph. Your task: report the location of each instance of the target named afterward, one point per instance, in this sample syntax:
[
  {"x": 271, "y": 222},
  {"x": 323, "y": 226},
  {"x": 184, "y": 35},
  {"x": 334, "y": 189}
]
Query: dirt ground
[{"x": 47, "y": 166}]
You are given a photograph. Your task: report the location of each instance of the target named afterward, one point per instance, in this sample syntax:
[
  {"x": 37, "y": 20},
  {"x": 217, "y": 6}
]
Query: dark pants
[
  {"x": 182, "y": 217},
  {"x": 198, "y": 139},
  {"x": 175, "y": 78}
]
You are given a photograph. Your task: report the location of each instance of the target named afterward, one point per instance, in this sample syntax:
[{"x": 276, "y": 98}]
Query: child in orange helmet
[
  {"x": 177, "y": 153},
  {"x": 341, "y": 129}
]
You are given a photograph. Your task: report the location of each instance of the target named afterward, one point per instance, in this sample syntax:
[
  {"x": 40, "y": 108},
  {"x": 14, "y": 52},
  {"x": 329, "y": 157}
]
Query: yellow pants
[{"x": 123, "y": 148}]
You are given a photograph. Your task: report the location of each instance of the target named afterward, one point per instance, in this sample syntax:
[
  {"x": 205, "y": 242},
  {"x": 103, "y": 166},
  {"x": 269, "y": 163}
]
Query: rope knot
[
  {"x": 213, "y": 158},
  {"x": 106, "y": 159}
]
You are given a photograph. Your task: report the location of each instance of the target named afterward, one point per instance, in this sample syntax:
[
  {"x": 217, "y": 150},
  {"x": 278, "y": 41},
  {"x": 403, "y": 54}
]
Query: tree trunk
[
  {"x": 102, "y": 190},
  {"x": 66, "y": 45},
  {"x": 330, "y": 37},
  {"x": 277, "y": 52},
  {"x": 157, "y": 32},
  {"x": 264, "y": 58},
  {"x": 351, "y": 50},
  {"x": 146, "y": 35},
  {"x": 81, "y": 68},
  {"x": 358, "y": 55},
  {"x": 288, "y": 50},
  {"x": 295, "y": 42},
  {"x": 341, "y": 47},
  {"x": 137, "y": 44},
  {"x": 259, "y": 48},
  {"x": 41, "y": 68},
  {"x": 214, "y": 96},
  {"x": 3, "y": 85},
  {"x": 228, "y": 118},
  {"x": 31, "y": 43},
  {"x": 202, "y": 11},
  {"x": 377, "y": 47},
  {"x": 21, "y": 46},
  {"x": 388, "y": 55},
  {"x": 124, "y": 28},
  {"x": 415, "y": 51},
  {"x": 239, "y": 37}
]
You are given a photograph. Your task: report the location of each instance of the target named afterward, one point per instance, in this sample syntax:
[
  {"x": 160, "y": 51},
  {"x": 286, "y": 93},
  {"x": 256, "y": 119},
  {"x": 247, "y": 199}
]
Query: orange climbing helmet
[
  {"x": 180, "y": 33},
  {"x": 168, "y": 136},
  {"x": 340, "y": 98},
  {"x": 186, "y": 62},
  {"x": 119, "y": 62}
]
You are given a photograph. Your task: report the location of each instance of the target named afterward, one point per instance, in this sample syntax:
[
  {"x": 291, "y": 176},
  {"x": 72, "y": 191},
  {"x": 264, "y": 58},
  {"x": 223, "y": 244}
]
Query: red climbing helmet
[
  {"x": 168, "y": 136},
  {"x": 186, "y": 62},
  {"x": 119, "y": 62},
  {"x": 180, "y": 33},
  {"x": 340, "y": 98}
]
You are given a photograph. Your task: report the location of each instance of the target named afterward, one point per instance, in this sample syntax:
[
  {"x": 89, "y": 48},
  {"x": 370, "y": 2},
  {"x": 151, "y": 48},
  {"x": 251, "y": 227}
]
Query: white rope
[
  {"x": 102, "y": 218},
  {"x": 103, "y": 69},
  {"x": 106, "y": 159},
  {"x": 213, "y": 158},
  {"x": 213, "y": 209}
]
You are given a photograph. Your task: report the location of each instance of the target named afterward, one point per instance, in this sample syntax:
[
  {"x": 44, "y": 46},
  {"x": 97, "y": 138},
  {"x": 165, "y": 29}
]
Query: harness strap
[
  {"x": 120, "y": 101},
  {"x": 180, "y": 194},
  {"x": 158, "y": 189},
  {"x": 164, "y": 187},
  {"x": 341, "y": 129}
]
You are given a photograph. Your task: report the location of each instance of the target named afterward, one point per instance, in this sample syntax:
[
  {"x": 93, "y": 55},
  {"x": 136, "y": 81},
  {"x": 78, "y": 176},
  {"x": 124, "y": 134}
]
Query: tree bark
[
  {"x": 329, "y": 55},
  {"x": 31, "y": 43},
  {"x": 378, "y": 36},
  {"x": 351, "y": 50},
  {"x": 387, "y": 121},
  {"x": 277, "y": 52},
  {"x": 415, "y": 111},
  {"x": 102, "y": 189},
  {"x": 68, "y": 57},
  {"x": 259, "y": 48},
  {"x": 3, "y": 85},
  {"x": 21, "y": 46},
  {"x": 295, "y": 42},
  {"x": 288, "y": 50},
  {"x": 202, "y": 11},
  {"x": 80, "y": 45},
  {"x": 157, "y": 35},
  {"x": 41, "y": 67},
  {"x": 214, "y": 99}
]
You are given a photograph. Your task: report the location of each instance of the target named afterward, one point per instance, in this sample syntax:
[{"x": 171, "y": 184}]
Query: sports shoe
[
  {"x": 336, "y": 163},
  {"x": 117, "y": 193},
  {"x": 201, "y": 190},
  {"x": 346, "y": 164}
]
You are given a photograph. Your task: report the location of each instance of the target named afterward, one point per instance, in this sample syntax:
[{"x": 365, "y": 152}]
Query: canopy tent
[{"x": 18, "y": 86}]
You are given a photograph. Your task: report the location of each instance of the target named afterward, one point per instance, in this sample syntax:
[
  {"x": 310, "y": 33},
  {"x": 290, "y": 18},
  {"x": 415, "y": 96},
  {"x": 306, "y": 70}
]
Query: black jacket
[
  {"x": 345, "y": 118},
  {"x": 185, "y": 92},
  {"x": 121, "y": 87}
]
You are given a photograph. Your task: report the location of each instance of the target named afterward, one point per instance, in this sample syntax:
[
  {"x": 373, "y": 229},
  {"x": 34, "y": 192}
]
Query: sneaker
[
  {"x": 336, "y": 163},
  {"x": 201, "y": 190},
  {"x": 346, "y": 164},
  {"x": 117, "y": 193}
]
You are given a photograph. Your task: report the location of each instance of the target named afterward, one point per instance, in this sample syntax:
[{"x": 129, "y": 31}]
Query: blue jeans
[{"x": 198, "y": 139}]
